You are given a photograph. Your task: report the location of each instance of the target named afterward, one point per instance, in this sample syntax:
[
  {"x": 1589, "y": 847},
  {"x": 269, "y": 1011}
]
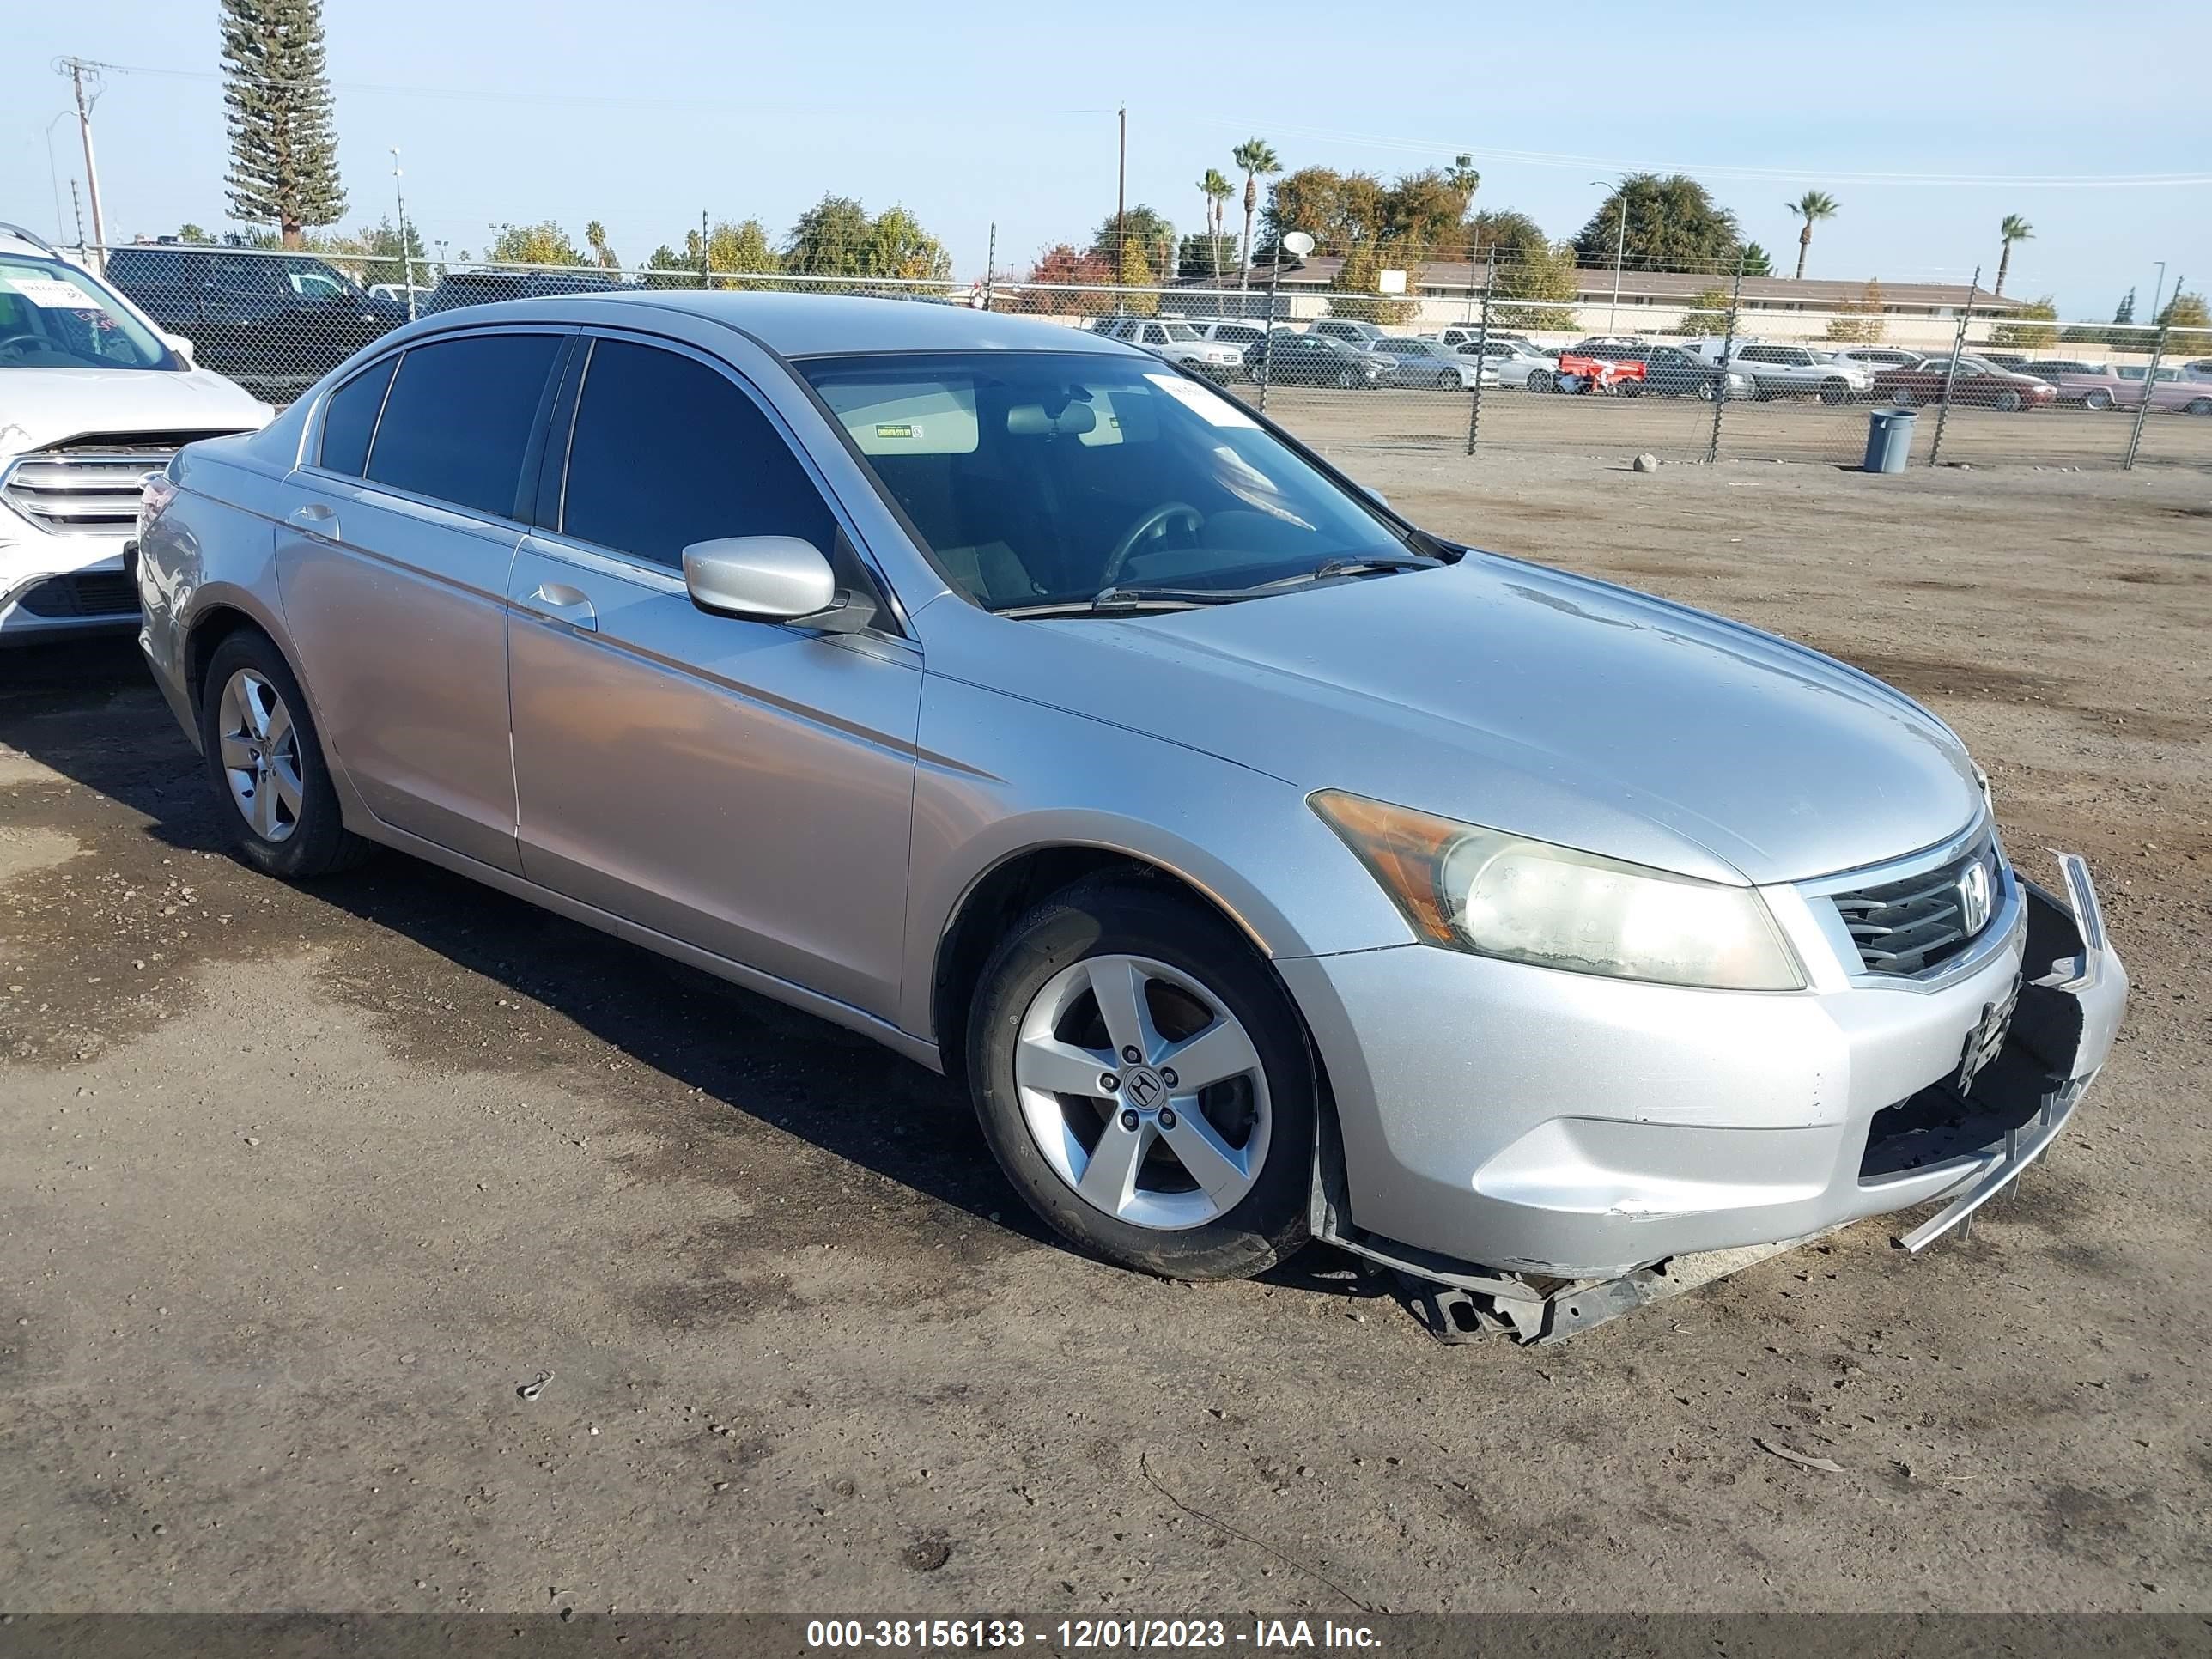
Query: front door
[
  {"x": 394, "y": 568},
  {"x": 744, "y": 787}
]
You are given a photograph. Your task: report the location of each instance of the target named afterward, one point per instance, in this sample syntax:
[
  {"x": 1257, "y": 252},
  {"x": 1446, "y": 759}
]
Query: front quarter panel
[{"x": 999, "y": 776}]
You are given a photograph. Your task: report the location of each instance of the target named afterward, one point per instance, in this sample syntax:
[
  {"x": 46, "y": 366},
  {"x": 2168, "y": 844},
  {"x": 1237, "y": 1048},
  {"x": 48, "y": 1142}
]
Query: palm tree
[
  {"x": 1252, "y": 158},
  {"x": 2013, "y": 229},
  {"x": 1812, "y": 206},
  {"x": 1216, "y": 190}
]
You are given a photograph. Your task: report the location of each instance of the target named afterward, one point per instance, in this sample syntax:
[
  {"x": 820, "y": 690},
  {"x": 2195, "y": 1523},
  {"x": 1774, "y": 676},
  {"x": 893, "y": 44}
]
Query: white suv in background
[
  {"x": 1176, "y": 341},
  {"x": 1793, "y": 371},
  {"x": 92, "y": 398}
]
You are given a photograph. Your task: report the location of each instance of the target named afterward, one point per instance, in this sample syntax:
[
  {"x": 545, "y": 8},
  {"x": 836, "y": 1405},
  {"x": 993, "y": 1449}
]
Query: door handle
[
  {"x": 317, "y": 519},
  {"x": 564, "y": 604}
]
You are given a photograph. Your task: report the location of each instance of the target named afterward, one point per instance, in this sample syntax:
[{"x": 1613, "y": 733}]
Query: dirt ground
[{"x": 298, "y": 1188}]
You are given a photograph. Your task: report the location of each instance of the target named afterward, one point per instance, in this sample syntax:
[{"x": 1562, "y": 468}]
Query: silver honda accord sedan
[{"x": 1268, "y": 867}]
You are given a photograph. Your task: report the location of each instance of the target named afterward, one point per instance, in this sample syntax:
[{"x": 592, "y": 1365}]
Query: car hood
[
  {"x": 42, "y": 406},
  {"x": 1549, "y": 705}
]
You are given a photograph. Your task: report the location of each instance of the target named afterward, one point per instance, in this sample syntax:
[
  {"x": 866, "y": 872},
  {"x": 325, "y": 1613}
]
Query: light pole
[
  {"x": 406, "y": 254},
  {"x": 1620, "y": 250}
]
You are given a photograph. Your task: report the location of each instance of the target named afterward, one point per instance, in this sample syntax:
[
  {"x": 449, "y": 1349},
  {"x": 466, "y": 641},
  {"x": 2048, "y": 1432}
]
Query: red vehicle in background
[
  {"x": 1579, "y": 373},
  {"x": 1978, "y": 382}
]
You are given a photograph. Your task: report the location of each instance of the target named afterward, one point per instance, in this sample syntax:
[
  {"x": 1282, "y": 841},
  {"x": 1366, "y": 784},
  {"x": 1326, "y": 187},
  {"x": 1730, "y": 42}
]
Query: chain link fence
[{"x": 1466, "y": 358}]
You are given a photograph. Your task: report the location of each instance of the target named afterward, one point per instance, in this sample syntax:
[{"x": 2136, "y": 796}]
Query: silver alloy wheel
[
  {"x": 260, "y": 754},
  {"x": 1143, "y": 1093}
]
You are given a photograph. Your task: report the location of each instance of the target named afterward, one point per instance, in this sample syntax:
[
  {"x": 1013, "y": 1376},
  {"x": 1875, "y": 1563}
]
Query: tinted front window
[
  {"x": 1036, "y": 477},
  {"x": 668, "y": 452},
  {"x": 458, "y": 419},
  {"x": 350, "y": 419},
  {"x": 55, "y": 316}
]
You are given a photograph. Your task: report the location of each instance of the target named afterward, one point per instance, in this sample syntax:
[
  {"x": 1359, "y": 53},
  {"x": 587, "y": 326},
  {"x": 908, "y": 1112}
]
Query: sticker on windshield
[
  {"x": 51, "y": 293},
  {"x": 1210, "y": 407},
  {"x": 898, "y": 429}
]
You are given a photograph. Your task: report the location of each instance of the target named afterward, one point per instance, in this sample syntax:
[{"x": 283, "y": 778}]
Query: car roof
[{"x": 807, "y": 324}]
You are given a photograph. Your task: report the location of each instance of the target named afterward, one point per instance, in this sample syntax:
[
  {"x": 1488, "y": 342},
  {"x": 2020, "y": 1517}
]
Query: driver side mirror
[
  {"x": 775, "y": 579},
  {"x": 181, "y": 346}
]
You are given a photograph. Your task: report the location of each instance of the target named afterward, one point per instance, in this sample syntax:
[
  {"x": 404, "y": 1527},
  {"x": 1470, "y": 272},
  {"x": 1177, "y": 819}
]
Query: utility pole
[
  {"x": 406, "y": 256},
  {"x": 2154, "y": 290},
  {"x": 1122, "y": 197},
  {"x": 991, "y": 267},
  {"x": 75, "y": 67}
]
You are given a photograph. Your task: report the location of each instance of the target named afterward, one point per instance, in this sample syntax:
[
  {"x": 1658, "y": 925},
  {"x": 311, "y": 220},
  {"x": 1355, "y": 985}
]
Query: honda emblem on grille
[{"x": 1974, "y": 897}]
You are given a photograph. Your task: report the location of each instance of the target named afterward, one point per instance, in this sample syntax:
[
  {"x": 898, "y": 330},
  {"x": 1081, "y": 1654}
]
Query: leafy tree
[
  {"x": 1674, "y": 224},
  {"x": 1073, "y": 267},
  {"x": 595, "y": 234},
  {"x": 1203, "y": 255},
  {"x": 1252, "y": 158},
  {"x": 1135, "y": 270},
  {"x": 1708, "y": 315},
  {"x": 734, "y": 251},
  {"x": 2013, "y": 229},
  {"x": 1812, "y": 206},
  {"x": 1147, "y": 227},
  {"x": 2191, "y": 323},
  {"x": 2033, "y": 326},
  {"x": 1861, "y": 321},
  {"x": 1530, "y": 268},
  {"x": 542, "y": 244},
  {"x": 277, "y": 103},
  {"x": 1216, "y": 190},
  {"x": 1358, "y": 290},
  {"x": 389, "y": 258},
  {"x": 837, "y": 237},
  {"x": 192, "y": 236},
  {"x": 1513, "y": 234},
  {"x": 1757, "y": 261}
]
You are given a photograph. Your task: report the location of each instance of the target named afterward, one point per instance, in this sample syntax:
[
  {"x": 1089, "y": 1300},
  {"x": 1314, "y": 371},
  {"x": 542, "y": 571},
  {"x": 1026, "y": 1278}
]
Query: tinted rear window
[
  {"x": 458, "y": 419},
  {"x": 350, "y": 419},
  {"x": 668, "y": 452}
]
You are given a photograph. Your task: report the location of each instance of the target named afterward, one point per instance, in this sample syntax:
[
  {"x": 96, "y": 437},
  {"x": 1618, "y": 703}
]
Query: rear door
[
  {"x": 394, "y": 570},
  {"x": 744, "y": 787}
]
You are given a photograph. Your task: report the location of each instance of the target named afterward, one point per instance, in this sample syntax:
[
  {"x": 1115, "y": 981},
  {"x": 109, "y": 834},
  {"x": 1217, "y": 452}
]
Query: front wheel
[
  {"x": 1540, "y": 379},
  {"x": 1448, "y": 382},
  {"x": 2198, "y": 406},
  {"x": 266, "y": 762},
  {"x": 1835, "y": 393},
  {"x": 2007, "y": 401},
  {"x": 1146, "y": 1082},
  {"x": 2099, "y": 400},
  {"x": 1346, "y": 380}
]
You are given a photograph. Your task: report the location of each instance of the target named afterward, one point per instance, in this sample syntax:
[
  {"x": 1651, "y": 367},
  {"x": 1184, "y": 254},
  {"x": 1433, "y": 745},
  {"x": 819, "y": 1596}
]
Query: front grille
[
  {"x": 1923, "y": 920},
  {"x": 96, "y": 593},
  {"x": 90, "y": 486}
]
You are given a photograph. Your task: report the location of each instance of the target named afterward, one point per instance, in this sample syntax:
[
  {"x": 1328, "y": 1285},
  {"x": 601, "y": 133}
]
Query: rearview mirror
[{"x": 779, "y": 578}]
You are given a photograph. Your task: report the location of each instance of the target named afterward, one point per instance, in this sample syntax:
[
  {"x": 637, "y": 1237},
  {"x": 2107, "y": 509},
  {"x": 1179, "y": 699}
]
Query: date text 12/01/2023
[{"x": 1089, "y": 1635}]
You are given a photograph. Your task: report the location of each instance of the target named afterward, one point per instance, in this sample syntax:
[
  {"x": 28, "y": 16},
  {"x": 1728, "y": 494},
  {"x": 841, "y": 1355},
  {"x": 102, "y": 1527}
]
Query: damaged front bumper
[{"x": 1809, "y": 1113}]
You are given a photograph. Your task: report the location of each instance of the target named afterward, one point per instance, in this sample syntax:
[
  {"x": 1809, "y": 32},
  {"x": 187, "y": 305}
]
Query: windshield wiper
[
  {"x": 1361, "y": 564},
  {"x": 1129, "y": 599}
]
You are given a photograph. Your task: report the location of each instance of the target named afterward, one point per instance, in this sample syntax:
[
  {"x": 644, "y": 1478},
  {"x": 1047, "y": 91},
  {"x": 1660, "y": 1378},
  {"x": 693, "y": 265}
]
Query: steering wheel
[
  {"x": 10, "y": 342},
  {"x": 1154, "y": 522}
]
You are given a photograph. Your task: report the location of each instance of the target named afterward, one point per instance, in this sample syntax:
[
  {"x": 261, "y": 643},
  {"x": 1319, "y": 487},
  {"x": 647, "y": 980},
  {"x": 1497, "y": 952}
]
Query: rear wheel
[
  {"x": 2008, "y": 400},
  {"x": 1346, "y": 380},
  {"x": 1146, "y": 1082},
  {"x": 1833, "y": 392},
  {"x": 2198, "y": 406},
  {"x": 1542, "y": 380},
  {"x": 266, "y": 762},
  {"x": 2098, "y": 399},
  {"x": 1448, "y": 381}
]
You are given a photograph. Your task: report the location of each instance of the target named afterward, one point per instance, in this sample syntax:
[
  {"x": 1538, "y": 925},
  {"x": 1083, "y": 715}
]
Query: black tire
[
  {"x": 1122, "y": 915},
  {"x": 1448, "y": 382},
  {"x": 1346, "y": 380},
  {"x": 2009, "y": 401},
  {"x": 2099, "y": 399},
  {"x": 2198, "y": 406},
  {"x": 1542, "y": 380},
  {"x": 317, "y": 842},
  {"x": 1706, "y": 391},
  {"x": 1835, "y": 393}
]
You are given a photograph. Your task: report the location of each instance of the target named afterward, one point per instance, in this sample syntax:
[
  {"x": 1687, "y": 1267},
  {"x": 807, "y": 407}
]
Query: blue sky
[{"x": 644, "y": 112}]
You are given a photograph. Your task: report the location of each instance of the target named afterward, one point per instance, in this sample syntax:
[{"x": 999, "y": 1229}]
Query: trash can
[{"x": 1889, "y": 440}]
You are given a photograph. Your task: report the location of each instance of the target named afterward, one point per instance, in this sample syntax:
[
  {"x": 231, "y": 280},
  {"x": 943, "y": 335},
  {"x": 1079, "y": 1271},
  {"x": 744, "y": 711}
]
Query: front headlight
[{"x": 1482, "y": 890}]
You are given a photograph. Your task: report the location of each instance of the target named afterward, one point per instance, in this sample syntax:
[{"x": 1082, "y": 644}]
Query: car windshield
[
  {"x": 54, "y": 316},
  {"x": 1044, "y": 478}
]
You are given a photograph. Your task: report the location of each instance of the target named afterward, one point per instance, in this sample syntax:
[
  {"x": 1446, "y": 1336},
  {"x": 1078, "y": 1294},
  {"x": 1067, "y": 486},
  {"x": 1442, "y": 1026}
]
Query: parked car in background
[
  {"x": 2092, "y": 386},
  {"x": 477, "y": 287},
  {"x": 2001, "y": 359},
  {"x": 1976, "y": 381},
  {"x": 1874, "y": 359},
  {"x": 1787, "y": 371},
  {"x": 1433, "y": 363},
  {"x": 1311, "y": 359},
  {"x": 1348, "y": 330},
  {"x": 1462, "y": 336},
  {"x": 1237, "y": 332},
  {"x": 274, "y": 322},
  {"x": 2201, "y": 369},
  {"x": 1264, "y": 868},
  {"x": 1518, "y": 364},
  {"x": 2174, "y": 388},
  {"x": 1669, "y": 371},
  {"x": 1176, "y": 341},
  {"x": 93, "y": 397}
]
